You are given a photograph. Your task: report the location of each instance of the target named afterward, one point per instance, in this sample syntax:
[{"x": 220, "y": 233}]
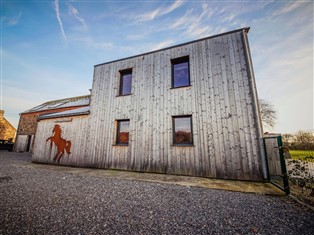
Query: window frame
[
  {"x": 179, "y": 61},
  {"x": 122, "y": 73},
  {"x": 173, "y": 131},
  {"x": 118, "y": 132}
]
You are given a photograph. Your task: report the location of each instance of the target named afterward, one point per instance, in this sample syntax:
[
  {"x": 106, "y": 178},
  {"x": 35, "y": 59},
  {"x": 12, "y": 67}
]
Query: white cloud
[
  {"x": 56, "y": 4},
  {"x": 11, "y": 21},
  {"x": 285, "y": 76},
  {"x": 197, "y": 30},
  {"x": 286, "y": 9},
  {"x": 230, "y": 17},
  {"x": 184, "y": 20},
  {"x": 195, "y": 23},
  {"x": 149, "y": 15},
  {"x": 160, "y": 11},
  {"x": 163, "y": 44},
  {"x": 171, "y": 8},
  {"x": 73, "y": 11}
]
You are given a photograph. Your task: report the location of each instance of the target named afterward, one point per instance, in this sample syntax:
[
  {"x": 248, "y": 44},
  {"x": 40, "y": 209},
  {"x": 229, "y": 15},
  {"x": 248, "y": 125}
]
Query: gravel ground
[{"x": 39, "y": 201}]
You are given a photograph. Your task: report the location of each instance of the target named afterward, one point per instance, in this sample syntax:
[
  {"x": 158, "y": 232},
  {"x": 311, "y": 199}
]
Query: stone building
[
  {"x": 28, "y": 120},
  {"x": 7, "y": 131}
]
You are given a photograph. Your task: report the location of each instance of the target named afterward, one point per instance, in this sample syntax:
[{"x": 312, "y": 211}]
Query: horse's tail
[{"x": 68, "y": 146}]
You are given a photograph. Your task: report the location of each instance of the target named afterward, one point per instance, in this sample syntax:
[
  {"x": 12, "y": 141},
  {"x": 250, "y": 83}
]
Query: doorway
[{"x": 29, "y": 141}]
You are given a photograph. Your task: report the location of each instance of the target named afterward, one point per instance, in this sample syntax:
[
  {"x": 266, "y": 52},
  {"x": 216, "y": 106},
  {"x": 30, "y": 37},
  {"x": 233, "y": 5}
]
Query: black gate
[{"x": 277, "y": 171}]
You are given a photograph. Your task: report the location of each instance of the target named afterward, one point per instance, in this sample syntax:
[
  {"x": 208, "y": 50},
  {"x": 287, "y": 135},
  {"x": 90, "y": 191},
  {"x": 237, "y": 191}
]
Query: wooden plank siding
[
  {"x": 221, "y": 99},
  {"x": 73, "y": 130}
]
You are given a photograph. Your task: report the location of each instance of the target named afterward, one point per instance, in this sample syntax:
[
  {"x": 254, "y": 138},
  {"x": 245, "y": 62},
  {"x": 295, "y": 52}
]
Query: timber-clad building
[
  {"x": 190, "y": 109},
  {"x": 28, "y": 119}
]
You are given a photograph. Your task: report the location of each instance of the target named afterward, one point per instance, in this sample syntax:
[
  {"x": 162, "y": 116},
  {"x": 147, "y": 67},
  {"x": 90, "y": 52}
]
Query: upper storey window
[
  {"x": 180, "y": 72},
  {"x": 125, "y": 82}
]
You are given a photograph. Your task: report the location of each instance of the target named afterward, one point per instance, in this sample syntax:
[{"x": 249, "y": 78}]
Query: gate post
[
  {"x": 266, "y": 160},
  {"x": 283, "y": 166}
]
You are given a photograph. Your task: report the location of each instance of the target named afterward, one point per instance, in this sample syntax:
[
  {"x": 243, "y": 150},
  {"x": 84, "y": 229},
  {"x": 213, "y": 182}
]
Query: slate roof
[
  {"x": 63, "y": 103},
  {"x": 67, "y": 113}
]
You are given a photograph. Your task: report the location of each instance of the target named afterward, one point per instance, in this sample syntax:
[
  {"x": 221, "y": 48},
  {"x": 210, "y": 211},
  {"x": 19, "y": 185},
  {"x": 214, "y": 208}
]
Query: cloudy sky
[{"x": 49, "y": 48}]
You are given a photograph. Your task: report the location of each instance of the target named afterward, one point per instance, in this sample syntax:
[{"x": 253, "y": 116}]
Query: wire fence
[
  {"x": 300, "y": 145},
  {"x": 299, "y": 155}
]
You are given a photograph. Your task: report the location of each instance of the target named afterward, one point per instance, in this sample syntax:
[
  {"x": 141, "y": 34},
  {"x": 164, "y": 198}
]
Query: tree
[
  {"x": 268, "y": 114},
  {"x": 304, "y": 140}
]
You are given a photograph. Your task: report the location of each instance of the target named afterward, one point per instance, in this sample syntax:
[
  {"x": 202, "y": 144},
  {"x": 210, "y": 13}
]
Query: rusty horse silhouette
[{"x": 60, "y": 143}]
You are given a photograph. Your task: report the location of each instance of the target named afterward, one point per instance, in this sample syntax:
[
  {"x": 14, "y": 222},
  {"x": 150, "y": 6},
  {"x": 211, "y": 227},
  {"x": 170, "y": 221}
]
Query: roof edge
[
  {"x": 63, "y": 115},
  {"x": 9, "y": 123},
  {"x": 75, "y": 97},
  {"x": 26, "y": 112},
  {"x": 55, "y": 101},
  {"x": 245, "y": 29}
]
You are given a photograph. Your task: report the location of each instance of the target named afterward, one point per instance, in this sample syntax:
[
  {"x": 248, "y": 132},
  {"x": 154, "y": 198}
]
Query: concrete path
[{"x": 230, "y": 185}]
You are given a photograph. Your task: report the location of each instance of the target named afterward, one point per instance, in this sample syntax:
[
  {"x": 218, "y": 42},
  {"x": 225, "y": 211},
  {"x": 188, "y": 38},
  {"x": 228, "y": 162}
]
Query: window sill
[
  {"x": 182, "y": 145},
  {"x": 120, "y": 145},
  {"x": 171, "y": 88},
  {"x": 123, "y": 95}
]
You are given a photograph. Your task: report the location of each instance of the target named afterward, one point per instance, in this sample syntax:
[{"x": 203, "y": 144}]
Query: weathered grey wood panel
[
  {"x": 21, "y": 142},
  {"x": 74, "y": 131},
  {"x": 220, "y": 100}
]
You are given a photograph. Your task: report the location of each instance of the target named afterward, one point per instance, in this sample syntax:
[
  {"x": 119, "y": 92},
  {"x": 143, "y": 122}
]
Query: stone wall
[
  {"x": 28, "y": 121},
  {"x": 7, "y": 131}
]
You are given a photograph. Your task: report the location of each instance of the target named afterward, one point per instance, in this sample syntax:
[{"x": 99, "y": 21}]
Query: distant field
[{"x": 305, "y": 155}]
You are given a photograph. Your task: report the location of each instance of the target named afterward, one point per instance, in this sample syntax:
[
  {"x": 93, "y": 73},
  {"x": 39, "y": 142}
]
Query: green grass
[{"x": 304, "y": 155}]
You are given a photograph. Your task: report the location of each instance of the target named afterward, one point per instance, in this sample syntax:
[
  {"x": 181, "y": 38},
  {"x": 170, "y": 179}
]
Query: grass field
[{"x": 305, "y": 155}]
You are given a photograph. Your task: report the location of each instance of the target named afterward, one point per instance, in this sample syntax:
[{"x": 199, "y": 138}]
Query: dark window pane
[
  {"x": 181, "y": 74},
  {"x": 182, "y": 130},
  {"x": 123, "y": 132},
  {"x": 126, "y": 83}
]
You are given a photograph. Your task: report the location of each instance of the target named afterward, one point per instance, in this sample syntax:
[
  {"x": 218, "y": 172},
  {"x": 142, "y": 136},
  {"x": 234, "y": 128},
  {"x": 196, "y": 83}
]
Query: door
[{"x": 29, "y": 141}]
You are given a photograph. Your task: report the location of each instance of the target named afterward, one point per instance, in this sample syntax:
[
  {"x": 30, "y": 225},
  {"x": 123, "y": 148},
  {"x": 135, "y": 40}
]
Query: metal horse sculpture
[{"x": 61, "y": 143}]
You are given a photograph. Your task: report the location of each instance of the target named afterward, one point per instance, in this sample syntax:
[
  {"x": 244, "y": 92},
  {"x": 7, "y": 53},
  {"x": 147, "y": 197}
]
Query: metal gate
[{"x": 276, "y": 165}]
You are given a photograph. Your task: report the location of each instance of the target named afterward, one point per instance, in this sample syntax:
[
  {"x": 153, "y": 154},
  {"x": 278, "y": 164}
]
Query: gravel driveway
[{"x": 39, "y": 201}]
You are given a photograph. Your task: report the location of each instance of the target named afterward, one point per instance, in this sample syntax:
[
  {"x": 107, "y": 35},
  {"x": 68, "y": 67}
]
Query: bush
[{"x": 302, "y": 140}]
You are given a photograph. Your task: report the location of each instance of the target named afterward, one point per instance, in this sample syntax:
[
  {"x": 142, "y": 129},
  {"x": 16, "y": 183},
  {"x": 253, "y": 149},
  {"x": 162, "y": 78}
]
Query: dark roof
[
  {"x": 63, "y": 103},
  {"x": 67, "y": 113}
]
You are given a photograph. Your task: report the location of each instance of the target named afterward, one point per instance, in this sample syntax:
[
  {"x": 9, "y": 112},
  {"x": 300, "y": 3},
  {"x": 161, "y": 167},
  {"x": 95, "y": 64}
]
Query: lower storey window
[
  {"x": 123, "y": 132},
  {"x": 182, "y": 130}
]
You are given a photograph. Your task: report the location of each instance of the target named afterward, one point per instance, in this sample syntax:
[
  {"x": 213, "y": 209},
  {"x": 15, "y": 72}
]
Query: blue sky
[{"x": 49, "y": 48}]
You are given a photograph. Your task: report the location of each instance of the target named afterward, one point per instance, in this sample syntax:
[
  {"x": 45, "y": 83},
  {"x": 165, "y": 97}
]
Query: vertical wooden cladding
[
  {"x": 74, "y": 130},
  {"x": 219, "y": 99}
]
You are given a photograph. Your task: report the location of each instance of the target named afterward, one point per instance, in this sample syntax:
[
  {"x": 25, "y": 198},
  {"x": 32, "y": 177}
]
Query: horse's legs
[
  {"x": 50, "y": 138},
  {"x": 61, "y": 155},
  {"x": 55, "y": 158}
]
